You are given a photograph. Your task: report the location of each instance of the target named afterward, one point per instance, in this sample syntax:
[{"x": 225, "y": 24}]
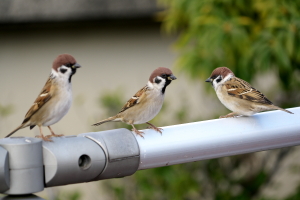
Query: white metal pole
[
  {"x": 218, "y": 138},
  {"x": 118, "y": 153}
]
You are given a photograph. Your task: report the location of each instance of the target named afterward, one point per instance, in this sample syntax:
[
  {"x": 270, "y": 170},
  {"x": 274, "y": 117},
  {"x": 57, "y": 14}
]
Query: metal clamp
[
  {"x": 72, "y": 159},
  {"x": 121, "y": 150}
]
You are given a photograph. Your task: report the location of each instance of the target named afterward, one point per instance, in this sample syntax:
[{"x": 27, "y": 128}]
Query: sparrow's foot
[
  {"x": 44, "y": 138},
  {"x": 154, "y": 127},
  {"x": 138, "y": 132},
  {"x": 53, "y": 135},
  {"x": 59, "y": 135},
  {"x": 228, "y": 115}
]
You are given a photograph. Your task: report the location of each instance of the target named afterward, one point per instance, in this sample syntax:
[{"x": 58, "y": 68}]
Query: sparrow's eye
[
  {"x": 62, "y": 70},
  {"x": 69, "y": 65},
  {"x": 164, "y": 75},
  {"x": 157, "y": 80}
]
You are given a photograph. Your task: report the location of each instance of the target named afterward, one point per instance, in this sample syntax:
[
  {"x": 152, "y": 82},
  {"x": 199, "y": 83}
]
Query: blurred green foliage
[
  {"x": 112, "y": 101},
  {"x": 76, "y": 195},
  {"x": 6, "y": 110},
  {"x": 249, "y": 37}
]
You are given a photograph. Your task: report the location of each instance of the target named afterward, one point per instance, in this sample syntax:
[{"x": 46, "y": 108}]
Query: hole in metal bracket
[{"x": 84, "y": 162}]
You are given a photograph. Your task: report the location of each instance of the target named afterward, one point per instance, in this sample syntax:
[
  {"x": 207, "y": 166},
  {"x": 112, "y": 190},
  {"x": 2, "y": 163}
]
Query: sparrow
[
  {"x": 55, "y": 99},
  {"x": 238, "y": 95},
  {"x": 146, "y": 103}
]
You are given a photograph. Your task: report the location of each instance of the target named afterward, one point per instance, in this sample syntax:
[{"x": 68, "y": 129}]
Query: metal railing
[{"x": 27, "y": 165}]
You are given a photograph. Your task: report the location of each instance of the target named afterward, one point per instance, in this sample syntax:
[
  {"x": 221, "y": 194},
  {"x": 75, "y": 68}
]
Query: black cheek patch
[
  {"x": 218, "y": 80},
  {"x": 63, "y": 70},
  {"x": 157, "y": 80}
]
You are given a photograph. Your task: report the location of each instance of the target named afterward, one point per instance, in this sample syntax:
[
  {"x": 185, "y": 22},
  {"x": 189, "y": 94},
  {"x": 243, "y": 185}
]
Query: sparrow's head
[
  {"x": 219, "y": 76},
  {"x": 65, "y": 66},
  {"x": 161, "y": 78}
]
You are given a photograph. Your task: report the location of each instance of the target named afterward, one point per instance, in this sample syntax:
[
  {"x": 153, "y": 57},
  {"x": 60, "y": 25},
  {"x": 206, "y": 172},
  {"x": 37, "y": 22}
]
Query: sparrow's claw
[
  {"x": 60, "y": 135},
  {"x": 44, "y": 138},
  {"x": 228, "y": 116},
  {"x": 155, "y": 128},
  {"x": 138, "y": 132},
  {"x": 53, "y": 135}
]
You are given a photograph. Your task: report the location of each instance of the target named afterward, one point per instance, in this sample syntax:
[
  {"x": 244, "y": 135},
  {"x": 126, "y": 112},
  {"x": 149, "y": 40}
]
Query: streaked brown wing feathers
[
  {"x": 243, "y": 90},
  {"x": 135, "y": 99},
  {"x": 40, "y": 101}
]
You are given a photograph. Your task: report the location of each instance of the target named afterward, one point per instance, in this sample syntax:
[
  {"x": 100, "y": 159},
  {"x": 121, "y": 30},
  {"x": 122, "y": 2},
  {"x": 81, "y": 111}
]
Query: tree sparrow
[
  {"x": 146, "y": 103},
  {"x": 55, "y": 99},
  {"x": 238, "y": 95}
]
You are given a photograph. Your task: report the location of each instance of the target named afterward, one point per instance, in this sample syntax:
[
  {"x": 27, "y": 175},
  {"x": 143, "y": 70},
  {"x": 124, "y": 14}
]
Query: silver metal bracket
[{"x": 25, "y": 160}]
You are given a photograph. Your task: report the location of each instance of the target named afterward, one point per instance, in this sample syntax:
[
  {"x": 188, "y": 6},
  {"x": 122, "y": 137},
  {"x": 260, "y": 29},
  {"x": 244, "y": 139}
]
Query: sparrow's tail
[
  {"x": 18, "y": 128},
  {"x": 110, "y": 119},
  {"x": 278, "y": 108}
]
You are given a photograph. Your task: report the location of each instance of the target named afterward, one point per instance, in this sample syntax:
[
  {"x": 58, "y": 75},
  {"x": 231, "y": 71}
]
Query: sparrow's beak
[
  {"x": 76, "y": 65},
  {"x": 172, "y": 77},
  {"x": 208, "y": 80}
]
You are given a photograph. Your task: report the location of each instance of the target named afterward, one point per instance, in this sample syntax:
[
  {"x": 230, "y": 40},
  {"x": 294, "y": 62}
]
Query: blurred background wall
[{"x": 119, "y": 43}]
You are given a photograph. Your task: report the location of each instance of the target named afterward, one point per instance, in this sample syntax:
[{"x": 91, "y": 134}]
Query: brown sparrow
[
  {"x": 146, "y": 103},
  {"x": 238, "y": 95},
  {"x": 55, "y": 99}
]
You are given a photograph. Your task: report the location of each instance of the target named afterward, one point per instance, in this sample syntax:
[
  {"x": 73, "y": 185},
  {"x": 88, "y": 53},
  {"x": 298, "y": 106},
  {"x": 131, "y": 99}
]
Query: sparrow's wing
[
  {"x": 241, "y": 89},
  {"x": 135, "y": 99},
  {"x": 41, "y": 100}
]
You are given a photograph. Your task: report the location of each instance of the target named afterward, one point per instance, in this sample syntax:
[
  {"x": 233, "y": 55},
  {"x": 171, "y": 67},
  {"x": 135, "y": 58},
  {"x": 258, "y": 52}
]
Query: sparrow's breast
[
  {"x": 146, "y": 110},
  {"x": 58, "y": 107}
]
